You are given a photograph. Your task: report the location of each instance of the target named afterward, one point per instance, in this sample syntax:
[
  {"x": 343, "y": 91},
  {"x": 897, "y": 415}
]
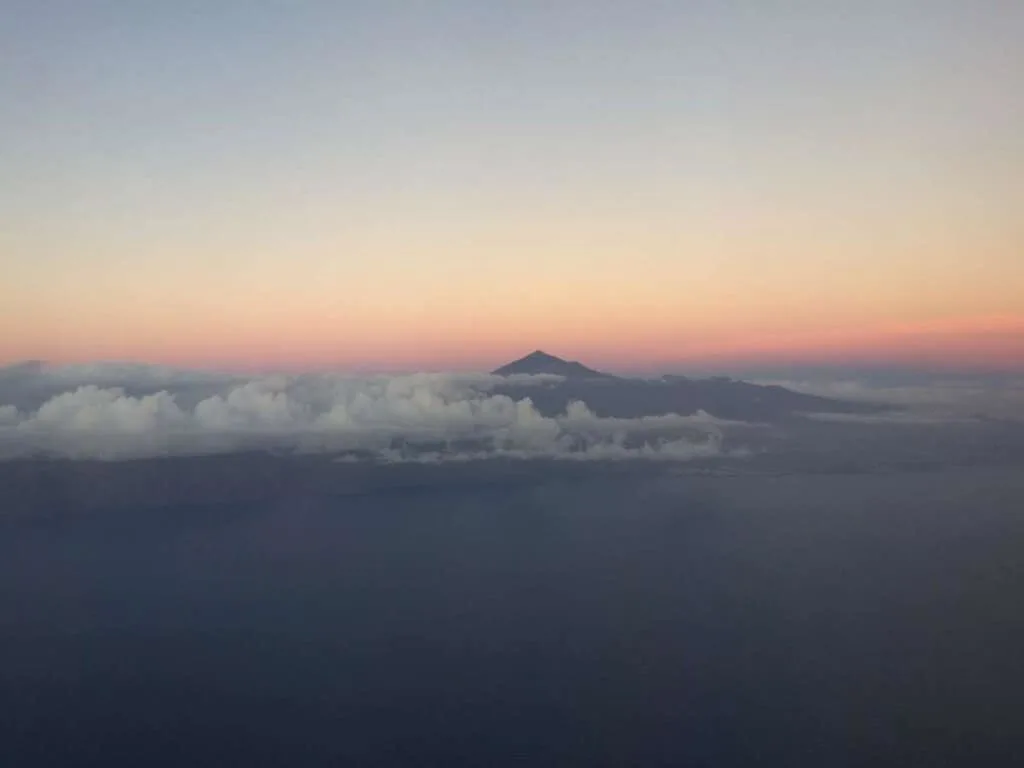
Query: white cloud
[
  {"x": 260, "y": 406},
  {"x": 90, "y": 409},
  {"x": 416, "y": 417}
]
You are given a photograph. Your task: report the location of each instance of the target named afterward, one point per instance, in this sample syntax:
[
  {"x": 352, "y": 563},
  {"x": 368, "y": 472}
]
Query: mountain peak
[
  {"x": 540, "y": 357},
  {"x": 538, "y": 362}
]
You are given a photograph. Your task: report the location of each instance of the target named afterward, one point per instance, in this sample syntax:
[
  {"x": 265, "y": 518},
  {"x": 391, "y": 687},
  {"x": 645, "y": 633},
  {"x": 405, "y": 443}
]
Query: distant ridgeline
[{"x": 620, "y": 397}]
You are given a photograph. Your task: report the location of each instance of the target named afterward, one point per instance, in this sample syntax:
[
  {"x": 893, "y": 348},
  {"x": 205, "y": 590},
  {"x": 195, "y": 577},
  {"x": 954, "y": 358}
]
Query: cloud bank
[
  {"x": 934, "y": 401},
  {"x": 111, "y": 412}
]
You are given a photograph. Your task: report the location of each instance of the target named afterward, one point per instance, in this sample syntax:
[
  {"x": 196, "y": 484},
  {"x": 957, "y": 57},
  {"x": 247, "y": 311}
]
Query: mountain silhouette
[
  {"x": 539, "y": 362},
  {"x": 614, "y": 396}
]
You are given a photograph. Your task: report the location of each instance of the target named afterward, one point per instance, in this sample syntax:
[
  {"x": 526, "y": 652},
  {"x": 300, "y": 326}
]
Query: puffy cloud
[
  {"x": 421, "y": 417},
  {"x": 98, "y": 423},
  {"x": 89, "y": 409},
  {"x": 257, "y": 406}
]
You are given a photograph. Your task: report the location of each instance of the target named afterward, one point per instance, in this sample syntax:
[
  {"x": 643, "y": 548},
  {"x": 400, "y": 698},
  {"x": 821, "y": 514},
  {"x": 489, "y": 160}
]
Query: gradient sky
[{"x": 399, "y": 185}]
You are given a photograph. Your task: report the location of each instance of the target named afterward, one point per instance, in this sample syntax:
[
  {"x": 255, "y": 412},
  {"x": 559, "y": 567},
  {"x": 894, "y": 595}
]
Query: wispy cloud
[{"x": 935, "y": 400}]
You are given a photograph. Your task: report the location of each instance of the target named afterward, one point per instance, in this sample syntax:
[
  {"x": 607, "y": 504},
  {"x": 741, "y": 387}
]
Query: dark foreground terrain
[{"x": 547, "y": 613}]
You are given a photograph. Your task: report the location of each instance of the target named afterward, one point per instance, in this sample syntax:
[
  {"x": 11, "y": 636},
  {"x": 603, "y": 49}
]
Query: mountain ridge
[{"x": 608, "y": 395}]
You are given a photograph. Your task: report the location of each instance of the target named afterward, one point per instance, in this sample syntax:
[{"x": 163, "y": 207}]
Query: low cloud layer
[
  {"x": 107, "y": 412},
  {"x": 949, "y": 400}
]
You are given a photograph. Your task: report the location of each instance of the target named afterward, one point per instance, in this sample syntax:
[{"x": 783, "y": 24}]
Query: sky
[{"x": 402, "y": 186}]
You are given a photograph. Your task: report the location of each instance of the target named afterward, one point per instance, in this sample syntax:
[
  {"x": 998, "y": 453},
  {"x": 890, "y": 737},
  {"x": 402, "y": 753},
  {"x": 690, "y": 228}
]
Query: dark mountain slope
[
  {"x": 609, "y": 395},
  {"x": 542, "y": 363}
]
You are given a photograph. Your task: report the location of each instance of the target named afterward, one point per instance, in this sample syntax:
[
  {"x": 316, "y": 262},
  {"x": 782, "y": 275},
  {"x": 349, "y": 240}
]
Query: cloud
[
  {"x": 9, "y": 415},
  {"x": 29, "y": 385},
  {"x": 108, "y": 374},
  {"x": 419, "y": 417},
  {"x": 90, "y": 408},
  {"x": 898, "y": 417},
  {"x": 935, "y": 401}
]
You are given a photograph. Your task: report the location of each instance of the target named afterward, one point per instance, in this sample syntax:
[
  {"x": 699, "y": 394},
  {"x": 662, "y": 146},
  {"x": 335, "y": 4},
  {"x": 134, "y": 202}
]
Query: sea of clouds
[{"x": 110, "y": 411}]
